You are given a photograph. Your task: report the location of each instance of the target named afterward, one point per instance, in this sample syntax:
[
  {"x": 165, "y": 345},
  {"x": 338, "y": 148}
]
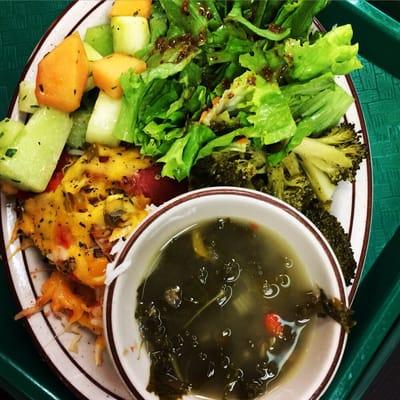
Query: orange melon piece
[
  {"x": 127, "y": 8},
  {"x": 108, "y": 70},
  {"x": 62, "y": 75}
]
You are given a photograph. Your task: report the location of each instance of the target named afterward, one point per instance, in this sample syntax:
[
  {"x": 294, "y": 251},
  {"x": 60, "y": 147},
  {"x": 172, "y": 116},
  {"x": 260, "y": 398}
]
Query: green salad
[{"x": 231, "y": 70}]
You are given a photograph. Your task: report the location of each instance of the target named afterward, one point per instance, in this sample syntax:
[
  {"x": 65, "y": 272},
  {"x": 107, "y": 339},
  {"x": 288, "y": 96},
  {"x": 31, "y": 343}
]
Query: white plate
[{"x": 352, "y": 205}]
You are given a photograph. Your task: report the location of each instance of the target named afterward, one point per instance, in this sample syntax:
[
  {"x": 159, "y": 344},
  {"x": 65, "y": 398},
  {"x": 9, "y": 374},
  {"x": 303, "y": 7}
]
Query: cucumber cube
[
  {"x": 130, "y": 34},
  {"x": 9, "y": 131},
  {"x": 100, "y": 38},
  {"x": 91, "y": 53},
  {"x": 27, "y": 101},
  {"x": 103, "y": 120},
  {"x": 31, "y": 159}
]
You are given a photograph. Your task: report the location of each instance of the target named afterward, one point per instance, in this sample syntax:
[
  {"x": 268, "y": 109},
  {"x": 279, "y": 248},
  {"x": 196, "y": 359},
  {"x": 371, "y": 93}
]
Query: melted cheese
[{"x": 75, "y": 225}]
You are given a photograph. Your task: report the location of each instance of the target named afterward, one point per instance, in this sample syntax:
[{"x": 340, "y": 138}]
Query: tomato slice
[
  {"x": 54, "y": 181},
  {"x": 58, "y": 173},
  {"x": 149, "y": 183}
]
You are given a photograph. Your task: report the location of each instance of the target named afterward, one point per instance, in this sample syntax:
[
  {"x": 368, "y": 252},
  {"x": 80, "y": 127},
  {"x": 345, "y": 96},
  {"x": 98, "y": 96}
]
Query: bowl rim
[{"x": 217, "y": 191}]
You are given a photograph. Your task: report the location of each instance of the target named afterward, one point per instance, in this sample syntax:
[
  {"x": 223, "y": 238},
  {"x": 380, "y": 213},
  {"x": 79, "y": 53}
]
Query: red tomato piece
[
  {"x": 273, "y": 325},
  {"x": 58, "y": 173},
  {"x": 149, "y": 183},
  {"x": 55, "y": 181}
]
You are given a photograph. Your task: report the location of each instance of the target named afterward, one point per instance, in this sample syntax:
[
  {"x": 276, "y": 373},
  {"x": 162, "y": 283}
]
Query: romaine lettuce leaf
[
  {"x": 181, "y": 156},
  {"x": 297, "y": 15},
  {"x": 271, "y": 34},
  {"x": 150, "y": 96},
  {"x": 191, "y": 16},
  {"x": 296, "y": 60},
  {"x": 317, "y": 111},
  {"x": 222, "y": 143},
  {"x": 268, "y": 116},
  {"x": 332, "y": 52}
]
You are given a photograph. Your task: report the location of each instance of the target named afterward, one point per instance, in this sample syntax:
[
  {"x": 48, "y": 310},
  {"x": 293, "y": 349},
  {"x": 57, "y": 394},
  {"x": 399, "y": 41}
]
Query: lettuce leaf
[
  {"x": 267, "y": 111},
  {"x": 332, "y": 52},
  {"x": 236, "y": 15},
  {"x": 317, "y": 111},
  {"x": 181, "y": 156},
  {"x": 190, "y": 16},
  {"x": 296, "y": 60},
  {"x": 152, "y": 104},
  {"x": 297, "y": 15}
]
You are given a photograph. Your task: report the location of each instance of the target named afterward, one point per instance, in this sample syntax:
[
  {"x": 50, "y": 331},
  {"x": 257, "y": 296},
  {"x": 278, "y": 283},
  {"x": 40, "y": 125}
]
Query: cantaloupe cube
[
  {"x": 140, "y": 8},
  {"x": 108, "y": 70},
  {"x": 62, "y": 75}
]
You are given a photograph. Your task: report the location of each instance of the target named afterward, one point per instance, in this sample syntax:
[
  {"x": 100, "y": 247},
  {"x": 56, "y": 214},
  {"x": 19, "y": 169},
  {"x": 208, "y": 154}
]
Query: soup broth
[{"x": 218, "y": 311}]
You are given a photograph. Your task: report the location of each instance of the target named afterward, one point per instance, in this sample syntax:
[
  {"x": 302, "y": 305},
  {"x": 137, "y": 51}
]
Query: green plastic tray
[{"x": 22, "y": 372}]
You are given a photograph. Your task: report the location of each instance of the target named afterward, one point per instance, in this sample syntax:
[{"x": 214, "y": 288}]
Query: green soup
[{"x": 218, "y": 311}]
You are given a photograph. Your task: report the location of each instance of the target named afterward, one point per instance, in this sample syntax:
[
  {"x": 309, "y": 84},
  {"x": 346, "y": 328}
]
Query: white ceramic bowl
[{"x": 320, "y": 360}]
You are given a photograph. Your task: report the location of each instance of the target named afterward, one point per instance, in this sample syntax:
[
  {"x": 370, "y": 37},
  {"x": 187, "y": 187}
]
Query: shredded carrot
[
  {"x": 26, "y": 244},
  {"x": 99, "y": 350},
  {"x": 57, "y": 290}
]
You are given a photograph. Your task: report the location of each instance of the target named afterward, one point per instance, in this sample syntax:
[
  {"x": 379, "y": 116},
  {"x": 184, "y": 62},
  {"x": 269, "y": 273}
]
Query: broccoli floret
[
  {"x": 305, "y": 179},
  {"x": 330, "y": 158},
  {"x": 334, "y": 233},
  {"x": 248, "y": 169},
  {"x": 229, "y": 168},
  {"x": 312, "y": 170},
  {"x": 288, "y": 182}
]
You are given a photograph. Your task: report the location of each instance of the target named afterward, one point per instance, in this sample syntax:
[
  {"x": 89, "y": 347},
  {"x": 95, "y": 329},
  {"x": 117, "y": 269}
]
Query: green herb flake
[{"x": 10, "y": 152}]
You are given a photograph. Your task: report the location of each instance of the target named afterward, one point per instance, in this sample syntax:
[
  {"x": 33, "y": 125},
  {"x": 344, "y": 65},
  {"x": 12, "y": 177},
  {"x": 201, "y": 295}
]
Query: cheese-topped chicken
[
  {"x": 76, "y": 223},
  {"x": 88, "y": 205}
]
